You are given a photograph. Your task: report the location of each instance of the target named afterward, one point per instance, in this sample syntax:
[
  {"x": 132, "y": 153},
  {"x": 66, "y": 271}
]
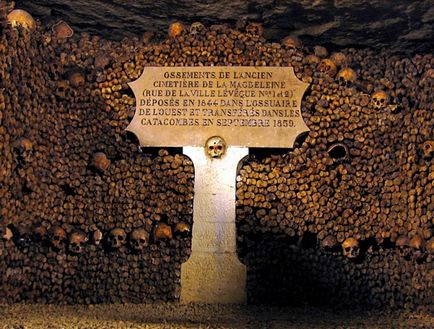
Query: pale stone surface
[
  {"x": 246, "y": 106},
  {"x": 211, "y": 205},
  {"x": 213, "y": 273},
  {"x": 213, "y": 278},
  {"x": 215, "y": 236}
]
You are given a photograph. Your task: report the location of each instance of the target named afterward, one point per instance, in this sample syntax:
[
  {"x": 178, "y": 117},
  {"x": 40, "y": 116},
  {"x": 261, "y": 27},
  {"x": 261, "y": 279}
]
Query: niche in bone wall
[{"x": 87, "y": 216}]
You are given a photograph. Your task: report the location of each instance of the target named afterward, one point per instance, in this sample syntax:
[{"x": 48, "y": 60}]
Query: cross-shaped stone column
[{"x": 213, "y": 273}]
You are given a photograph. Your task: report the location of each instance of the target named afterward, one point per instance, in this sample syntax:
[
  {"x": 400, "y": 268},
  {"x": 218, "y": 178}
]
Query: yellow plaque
[{"x": 246, "y": 106}]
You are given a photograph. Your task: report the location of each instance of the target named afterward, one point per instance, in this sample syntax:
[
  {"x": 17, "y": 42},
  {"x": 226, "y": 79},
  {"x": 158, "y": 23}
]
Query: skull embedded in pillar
[
  {"x": 58, "y": 238},
  {"x": 403, "y": 246},
  {"x": 139, "y": 239},
  {"x": 380, "y": 99},
  {"x": 215, "y": 147},
  {"x": 77, "y": 242},
  {"x": 351, "y": 248},
  {"x": 116, "y": 238}
]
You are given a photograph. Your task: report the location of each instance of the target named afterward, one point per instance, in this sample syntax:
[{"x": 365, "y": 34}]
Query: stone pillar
[{"x": 213, "y": 273}]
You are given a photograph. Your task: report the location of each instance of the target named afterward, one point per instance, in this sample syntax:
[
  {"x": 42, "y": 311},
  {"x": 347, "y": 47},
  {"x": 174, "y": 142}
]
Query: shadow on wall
[{"x": 297, "y": 272}]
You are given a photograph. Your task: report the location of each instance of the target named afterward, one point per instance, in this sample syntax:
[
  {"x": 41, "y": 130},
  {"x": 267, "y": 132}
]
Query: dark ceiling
[{"x": 398, "y": 25}]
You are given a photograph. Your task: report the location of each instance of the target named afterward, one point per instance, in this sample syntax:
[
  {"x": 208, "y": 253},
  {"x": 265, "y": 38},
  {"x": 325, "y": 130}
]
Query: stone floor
[{"x": 22, "y": 316}]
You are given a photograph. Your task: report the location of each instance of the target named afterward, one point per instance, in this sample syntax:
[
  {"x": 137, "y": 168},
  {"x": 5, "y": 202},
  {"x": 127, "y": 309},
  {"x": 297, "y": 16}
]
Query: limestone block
[
  {"x": 213, "y": 278},
  {"x": 213, "y": 273}
]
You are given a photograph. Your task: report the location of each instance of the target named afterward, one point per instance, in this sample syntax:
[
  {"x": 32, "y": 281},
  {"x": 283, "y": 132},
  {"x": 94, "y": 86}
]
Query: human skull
[
  {"x": 24, "y": 145},
  {"x": 380, "y": 99},
  {"x": 6, "y": 233},
  {"x": 291, "y": 42},
  {"x": 328, "y": 67},
  {"x": 197, "y": 28},
  {"x": 76, "y": 78},
  {"x": 101, "y": 61},
  {"x": 312, "y": 59},
  {"x": 427, "y": 79},
  {"x": 139, "y": 239},
  {"x": 77, "y": 242},
  {"x": 255, "y": 29},
  {"x": 329, "y": 243},
  {"x": 147, "y": 37},
  {"x": 100, "y": 161},
  {"x": 347, "y": 77},
  {"x": 116, "y": 238},
  {"x": 428, "y": 149},
  {"x": 430, "y": 251},
  {"x": 403, "y": 246},
  {"x": 24, "y": 148},
  {"x": 430, "y": 246},
  {"x": 339, "y": 58},
  {"x": 417, "y": 243},
  {"x": 176, "y": 29},
  {"x": 162, "y": 232},
  {"x": 215, "y": 147},
  {"x": 182, "y": 228},
  {"x": 23, "y": 236},
  {"x": 320, "y": 51},
  {"x": 39, "y": 233},
  {"x": 351, "y": 248},
  {"x": 62, "y": 30},
  {"x": 61, "y": 88},
  {"x": 97, "y": 237},
  {"x": 58, "y": 237},
  {"x": 19, "y": 17}
]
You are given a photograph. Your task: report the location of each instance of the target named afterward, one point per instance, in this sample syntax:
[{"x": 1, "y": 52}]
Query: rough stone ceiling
[{"x": 398, "y": 25}]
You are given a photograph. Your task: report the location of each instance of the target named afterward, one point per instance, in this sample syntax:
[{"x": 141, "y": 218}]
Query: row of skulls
[
  {"x": 75, "y": 242},
  {"x": 139, "y": 239},
  {"x": 414, "y": 248}
]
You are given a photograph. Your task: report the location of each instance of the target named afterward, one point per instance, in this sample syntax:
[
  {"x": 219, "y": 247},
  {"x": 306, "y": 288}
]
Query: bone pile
[{"x": 86, "y": 216}]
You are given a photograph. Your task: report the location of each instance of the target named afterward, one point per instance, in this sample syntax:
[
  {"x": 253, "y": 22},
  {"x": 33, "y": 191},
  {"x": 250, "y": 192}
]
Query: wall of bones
[{"x": 86, "y": 216}]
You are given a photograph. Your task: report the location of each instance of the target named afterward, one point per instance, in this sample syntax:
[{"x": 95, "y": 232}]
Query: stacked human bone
[
  {"x": 85, "y": 216},
  {"x": 88, "y": 217}
]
